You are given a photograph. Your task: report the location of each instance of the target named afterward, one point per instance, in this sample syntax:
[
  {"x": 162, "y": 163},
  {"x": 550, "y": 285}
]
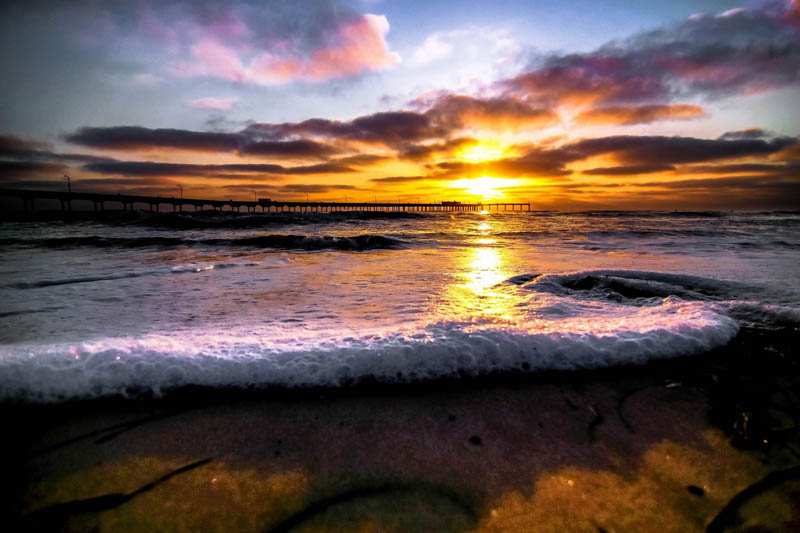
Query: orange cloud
[
  {"x": 643, "y": 114},
  {"x": 457, "y": 111}
]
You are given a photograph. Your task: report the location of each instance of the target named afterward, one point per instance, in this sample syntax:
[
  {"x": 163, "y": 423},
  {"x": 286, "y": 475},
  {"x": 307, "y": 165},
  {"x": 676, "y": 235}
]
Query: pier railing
[{"x": 264, "y": 205}]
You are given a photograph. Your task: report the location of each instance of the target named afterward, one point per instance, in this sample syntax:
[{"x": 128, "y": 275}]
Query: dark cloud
[
  {"x": 312, "y": 188},
  {"x": 628, "y": 170},
  {"x": 40, "y": 184},
  {"x": 16, "y": 148},
  {"x": 750, "y": 133},
  {"x": 234, "y": 170},
  {"x": 438, "y": 120},
  {"x": 400, "y": 179},
  {"x": 740, "y": 52},
  {"x": 275, "y": 140},
  {"x": 419, "y": 152},
  {"x": 301, "y": 148},
  {"x": 121, "y": 183},
  {"x": 741, "y": 168},
  {"x": 361, "y": 160},
  {"x": 739, "y": 191},
  {"x": 12, "y": 170},
  {"x": 139, "y": 138},
  {"x": 12, "y": 146},
  {"x": 535, "y": 163},
  {"x": 247, "y": 142},
  {"x": 637, "y": 155},
  {"x": 738, "y": 182},
  {"x": 391, "y": 128},
  {"x": 648, "y": 150}
]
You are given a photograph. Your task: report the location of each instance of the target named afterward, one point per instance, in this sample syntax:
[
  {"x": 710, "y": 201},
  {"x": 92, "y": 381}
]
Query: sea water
[{"x": 143, "y": 303}]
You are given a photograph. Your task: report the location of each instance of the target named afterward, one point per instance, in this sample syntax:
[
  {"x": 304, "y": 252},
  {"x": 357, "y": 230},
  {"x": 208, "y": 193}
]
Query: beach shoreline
[{"x": 665, "y": 444}]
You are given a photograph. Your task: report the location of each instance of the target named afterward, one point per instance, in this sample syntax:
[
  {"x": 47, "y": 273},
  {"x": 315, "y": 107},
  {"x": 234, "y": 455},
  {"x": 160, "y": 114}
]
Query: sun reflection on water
[{"x": 477, "y": 293}]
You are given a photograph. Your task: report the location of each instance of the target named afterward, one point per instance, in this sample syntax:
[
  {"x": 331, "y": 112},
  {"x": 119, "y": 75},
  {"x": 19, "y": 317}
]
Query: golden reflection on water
[{"x": 477, "y": 292}]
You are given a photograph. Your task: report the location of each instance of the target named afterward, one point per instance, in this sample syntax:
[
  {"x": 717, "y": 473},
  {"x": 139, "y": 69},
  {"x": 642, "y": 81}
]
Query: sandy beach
[{"x": 666, "y": 447}]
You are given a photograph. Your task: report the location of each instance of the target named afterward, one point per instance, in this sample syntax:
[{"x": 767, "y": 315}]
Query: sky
[{"x": 569, "y": 105}]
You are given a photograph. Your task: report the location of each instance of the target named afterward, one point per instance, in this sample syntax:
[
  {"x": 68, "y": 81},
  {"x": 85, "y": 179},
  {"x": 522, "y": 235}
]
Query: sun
[
  {"x": 486, "y": 187},
  {"x": 484, "y": 150}
]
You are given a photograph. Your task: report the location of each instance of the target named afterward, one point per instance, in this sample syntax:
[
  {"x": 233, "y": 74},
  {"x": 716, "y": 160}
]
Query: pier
[{"x": 130, "y": 202}]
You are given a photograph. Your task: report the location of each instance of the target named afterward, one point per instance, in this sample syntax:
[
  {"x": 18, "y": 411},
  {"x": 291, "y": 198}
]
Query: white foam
[{"x": 552, "y": 330}]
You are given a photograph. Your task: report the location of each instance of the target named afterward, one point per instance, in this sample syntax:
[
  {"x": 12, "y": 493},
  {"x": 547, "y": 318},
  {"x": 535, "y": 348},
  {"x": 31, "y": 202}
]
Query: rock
[{"x": 694, "y": 490}]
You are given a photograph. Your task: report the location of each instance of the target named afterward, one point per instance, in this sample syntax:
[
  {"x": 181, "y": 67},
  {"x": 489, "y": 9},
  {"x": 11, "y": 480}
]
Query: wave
[
  {"x": 571, "y": 233},
  {"x": 207, "y": 219},
  {"x": 289, "y": 242},
  {"x": 155, "y": 364},
  {"x": 632, "y": 284},
  {"x": 748, "y": 304},
  {"x": 179, "y": 269},
  {"x": 569, "y": 321}
]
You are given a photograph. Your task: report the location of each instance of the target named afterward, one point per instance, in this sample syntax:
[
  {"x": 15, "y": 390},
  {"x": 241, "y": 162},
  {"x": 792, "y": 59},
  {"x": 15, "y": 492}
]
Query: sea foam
[{"x": 565, "y": 321}]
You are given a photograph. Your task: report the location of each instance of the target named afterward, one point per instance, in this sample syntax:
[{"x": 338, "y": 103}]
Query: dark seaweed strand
[
  {"x": 320, "y": 506},
  {"x": 53, "y": 517},
  {"x": 729, "y": 514}
]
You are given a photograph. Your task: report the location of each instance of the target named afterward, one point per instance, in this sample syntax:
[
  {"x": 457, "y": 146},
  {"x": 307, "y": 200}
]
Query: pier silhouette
[{"x": 130, "y": 202}]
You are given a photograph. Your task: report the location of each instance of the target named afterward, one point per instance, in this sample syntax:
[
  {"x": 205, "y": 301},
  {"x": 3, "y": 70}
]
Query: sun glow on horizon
[
  {"x": 486, "y": 187},
  {"x": 483, "y": 150}
]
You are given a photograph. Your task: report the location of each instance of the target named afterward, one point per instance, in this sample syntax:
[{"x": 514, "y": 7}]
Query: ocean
[{"x": 142, "y": 304}]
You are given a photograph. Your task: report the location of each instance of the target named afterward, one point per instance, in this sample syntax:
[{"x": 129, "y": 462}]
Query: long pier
[{"x": 265, "y": 205}]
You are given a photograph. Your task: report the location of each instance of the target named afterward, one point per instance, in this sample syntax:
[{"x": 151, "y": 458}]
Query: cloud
[
  {"x": 647, "y": 150},
  {"x": 642, "y": 114},
  {"x": 12, "y": 146},
  {"x": 300, "y": 148},
  {"x": 455, "y": 111},
  {"x": 741, "y": 52},
  {"x": 13, "y": 170},
  {"x": 438, "y": 118},
  {"x": 400, "y": 179},
  {"x": 420, "y": 152},
  {"x": 362, "y": 160},
  {"x": 248, "y": 142},
  {"x": 352, "y": 45},
  {"x": 222, "y": 171},
  {"x": 16, "y": 148},
  {"x": 535, "y": 163},
  {"x": 742, "y": 168},
  {"x": 312, "y": 188},
  {"x": 636, "y": 155},
  {"x": 218, "y": 104},
  {"x": 257, "y": 42},
  {"x": 771, "y": 192},
  {"x": 395, "y": 127},
  {"x": 139, "y": 138},
  {"x": 435, "y": 47},
  {"x": 627, "y": 170},
  {"x": 750, "y": 133}
]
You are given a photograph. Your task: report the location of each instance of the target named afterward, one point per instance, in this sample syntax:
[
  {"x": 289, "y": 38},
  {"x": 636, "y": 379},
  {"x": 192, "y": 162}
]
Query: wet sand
[{"x": 702, "y": 443}]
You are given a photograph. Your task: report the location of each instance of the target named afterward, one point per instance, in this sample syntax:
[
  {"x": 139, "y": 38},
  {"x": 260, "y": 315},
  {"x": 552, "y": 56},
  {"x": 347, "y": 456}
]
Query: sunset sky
[{"x": 570, "y": 105}]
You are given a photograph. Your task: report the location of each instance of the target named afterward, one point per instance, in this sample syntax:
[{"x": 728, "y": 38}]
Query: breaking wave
[{"x": 569, "y": 321}]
